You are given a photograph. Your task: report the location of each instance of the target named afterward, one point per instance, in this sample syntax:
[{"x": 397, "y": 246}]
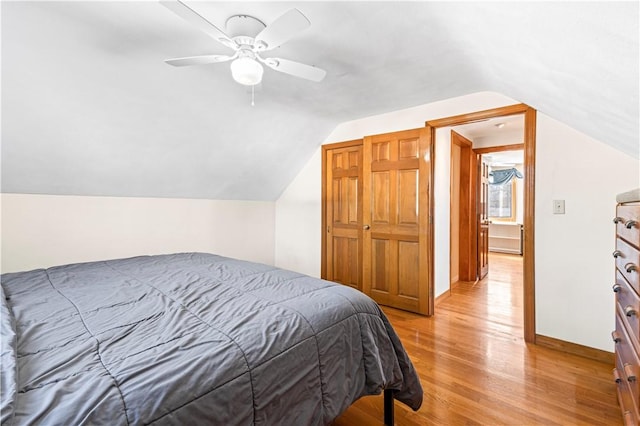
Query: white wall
[
  {"x": 442, "y": 211},
  {"x": 510, "y": 137},
  {"x": 574, "y": 268},
  {"x": 298, "y": 221},
  {"x": 46, "y": 230}
]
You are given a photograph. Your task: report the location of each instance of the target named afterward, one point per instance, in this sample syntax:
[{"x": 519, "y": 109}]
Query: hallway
[
  {"x": 496, "y": 298},
  {"x": 477, "y": 370}
]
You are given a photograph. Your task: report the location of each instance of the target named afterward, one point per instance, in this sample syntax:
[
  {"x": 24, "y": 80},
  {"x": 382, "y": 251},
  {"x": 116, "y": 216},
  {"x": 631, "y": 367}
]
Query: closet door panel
[
  {"x": 408, "y": 270},
  {"x": 345, "y": 262},
  {"x": 380, "y": 196},
  {"x": 343, "y": 210},
  {"x": 380, "y": 277},
  {"x": 408, "y": 197},
  {"x": 396, "y": 174}
]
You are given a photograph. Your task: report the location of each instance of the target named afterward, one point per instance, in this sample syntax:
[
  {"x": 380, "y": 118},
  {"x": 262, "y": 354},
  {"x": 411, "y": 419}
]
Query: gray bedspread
[{"x": 191, "y": 338}]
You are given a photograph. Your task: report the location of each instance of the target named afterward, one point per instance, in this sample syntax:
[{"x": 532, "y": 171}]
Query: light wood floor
[{"x": 476, "y": 369}]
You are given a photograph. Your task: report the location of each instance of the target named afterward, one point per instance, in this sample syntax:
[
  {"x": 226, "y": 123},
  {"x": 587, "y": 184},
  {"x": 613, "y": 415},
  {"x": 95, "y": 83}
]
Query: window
[{"x": 502, "y": 201}]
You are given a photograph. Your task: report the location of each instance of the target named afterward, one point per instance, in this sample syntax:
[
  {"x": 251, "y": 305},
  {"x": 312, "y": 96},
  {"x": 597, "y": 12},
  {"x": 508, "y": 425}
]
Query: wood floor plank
[{"x": 476, "y": 369}]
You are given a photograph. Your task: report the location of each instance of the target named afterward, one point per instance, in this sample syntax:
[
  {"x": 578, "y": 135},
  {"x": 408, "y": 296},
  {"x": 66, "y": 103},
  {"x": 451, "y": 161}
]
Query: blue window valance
[{"x": 502, "y": 177}]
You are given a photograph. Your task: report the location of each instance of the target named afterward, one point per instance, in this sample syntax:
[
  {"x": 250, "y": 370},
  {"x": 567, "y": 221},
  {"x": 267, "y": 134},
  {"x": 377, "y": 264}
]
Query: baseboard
[
  {"x": 445, "y": 295},
  {"x": 575, "y": 349}
]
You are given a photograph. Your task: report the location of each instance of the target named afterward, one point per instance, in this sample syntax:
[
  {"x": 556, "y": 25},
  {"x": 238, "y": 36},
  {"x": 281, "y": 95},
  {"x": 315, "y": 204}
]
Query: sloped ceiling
[{"x": 90, "y": 108}]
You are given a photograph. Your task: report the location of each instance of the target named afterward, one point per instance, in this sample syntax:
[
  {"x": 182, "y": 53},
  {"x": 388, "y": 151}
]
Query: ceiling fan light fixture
[
  {"x": 248, "y": 37},
  {"x": 246, "y": 71}
]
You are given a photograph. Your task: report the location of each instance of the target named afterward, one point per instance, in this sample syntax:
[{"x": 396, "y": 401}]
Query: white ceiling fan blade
[
  {"x": 281, "y": 30},
  {"x": 296, "y": 69},
  {"x": 198, "y": 60},
  {"x": 191, "y": 16}
]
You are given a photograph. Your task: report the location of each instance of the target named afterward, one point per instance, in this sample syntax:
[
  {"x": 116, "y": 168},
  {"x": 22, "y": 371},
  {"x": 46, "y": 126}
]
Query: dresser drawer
[
  {"x": 627, "y": 345},
  {"x": 628, "y": 305},
  {"x": 628, "y": 223},
  {"x": 625, "y": 399},
  {"x": 628, "y": 263},
  {"x": 627, "y": 360},
  {"x": 628, "y": 373}
]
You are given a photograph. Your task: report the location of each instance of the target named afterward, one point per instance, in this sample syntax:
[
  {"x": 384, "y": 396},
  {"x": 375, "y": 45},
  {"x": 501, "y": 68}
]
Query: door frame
[
  {"x": 467, "y": 258},
  {"x": 529, "y": 326},
  {"x": 479, "y": 152}
]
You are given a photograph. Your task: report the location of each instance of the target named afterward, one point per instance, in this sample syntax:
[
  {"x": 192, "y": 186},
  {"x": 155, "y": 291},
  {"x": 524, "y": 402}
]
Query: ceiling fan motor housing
[{"x": 243, "y": 29}]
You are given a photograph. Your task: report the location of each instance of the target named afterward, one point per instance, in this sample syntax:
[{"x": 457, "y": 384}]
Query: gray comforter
[{"x": 191, "y": 338}]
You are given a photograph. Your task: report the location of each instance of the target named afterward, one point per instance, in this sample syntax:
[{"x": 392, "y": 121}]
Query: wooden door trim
[
  {"x": 467, "y": 266},
  {"x": 323, "y": 240},
  {"x": 529, "y": 290},
  {"x": 430, "y": 135},
  {"x": 478, "y": 115},
  {"x": 500, "y": 148},
  {"x": 529, "y": 325},
  {"x": 460, "y": 140}
]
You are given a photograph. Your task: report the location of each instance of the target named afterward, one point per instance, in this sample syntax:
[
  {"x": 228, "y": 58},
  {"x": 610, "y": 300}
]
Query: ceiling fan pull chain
[{"x": 252, "y": 96}]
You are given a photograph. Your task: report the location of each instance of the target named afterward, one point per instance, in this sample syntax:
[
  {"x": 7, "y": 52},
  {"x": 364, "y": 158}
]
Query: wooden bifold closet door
[
  {"x": 343, "y": 213},
  {"x": 376, "y": 211}
]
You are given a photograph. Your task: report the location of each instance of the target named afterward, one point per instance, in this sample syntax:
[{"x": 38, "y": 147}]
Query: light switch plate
[{"x": 558, "y": 206}]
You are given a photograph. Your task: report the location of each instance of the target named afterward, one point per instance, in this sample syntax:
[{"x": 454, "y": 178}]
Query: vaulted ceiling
[{"x": 90, "y": 108}]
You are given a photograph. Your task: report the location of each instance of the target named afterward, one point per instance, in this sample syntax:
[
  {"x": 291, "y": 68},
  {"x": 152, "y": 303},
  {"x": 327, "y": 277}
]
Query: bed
[{"x": 191, "y": 338}]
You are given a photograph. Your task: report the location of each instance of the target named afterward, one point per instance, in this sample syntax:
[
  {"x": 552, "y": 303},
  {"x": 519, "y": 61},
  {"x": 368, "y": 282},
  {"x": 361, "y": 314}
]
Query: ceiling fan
[{"x": 248, "y": 37}]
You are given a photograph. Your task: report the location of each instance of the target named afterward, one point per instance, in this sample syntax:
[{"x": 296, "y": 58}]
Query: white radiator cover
[{"x": 505, "y": 237}]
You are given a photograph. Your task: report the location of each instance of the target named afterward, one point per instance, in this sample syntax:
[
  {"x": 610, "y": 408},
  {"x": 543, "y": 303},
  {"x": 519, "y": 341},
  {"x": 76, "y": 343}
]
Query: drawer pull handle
[
  {"x": 618, "y": 219},
  {"x": 629, "y": 311},
  {"x": 617, "y": 288},
  {"x": 630, "y": 267},
  {"x": 616, "y": 376},
  {"x": 616, "y": 336},
  {"x": 630, "y": 223},
  {"x": 631, "y": 375},
  {"x": 617, "y": 253}
]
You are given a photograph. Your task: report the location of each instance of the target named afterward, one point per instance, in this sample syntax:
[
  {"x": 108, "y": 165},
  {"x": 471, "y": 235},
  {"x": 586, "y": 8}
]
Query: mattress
[{"x": 191, "y": 338}]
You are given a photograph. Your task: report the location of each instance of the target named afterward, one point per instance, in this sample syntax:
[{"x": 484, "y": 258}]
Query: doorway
[
  {"x": 472, "y": 226},
  {"x": 493, "y": 199},
  {"x": 505, "y": 200}
]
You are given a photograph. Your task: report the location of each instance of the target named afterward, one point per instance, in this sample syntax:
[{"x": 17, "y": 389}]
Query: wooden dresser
[{"x": 627, "y": 289}]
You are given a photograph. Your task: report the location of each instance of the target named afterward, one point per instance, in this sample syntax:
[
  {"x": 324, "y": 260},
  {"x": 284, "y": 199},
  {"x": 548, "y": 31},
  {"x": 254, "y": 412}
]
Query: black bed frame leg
[{"x": 388, "y": 407}]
